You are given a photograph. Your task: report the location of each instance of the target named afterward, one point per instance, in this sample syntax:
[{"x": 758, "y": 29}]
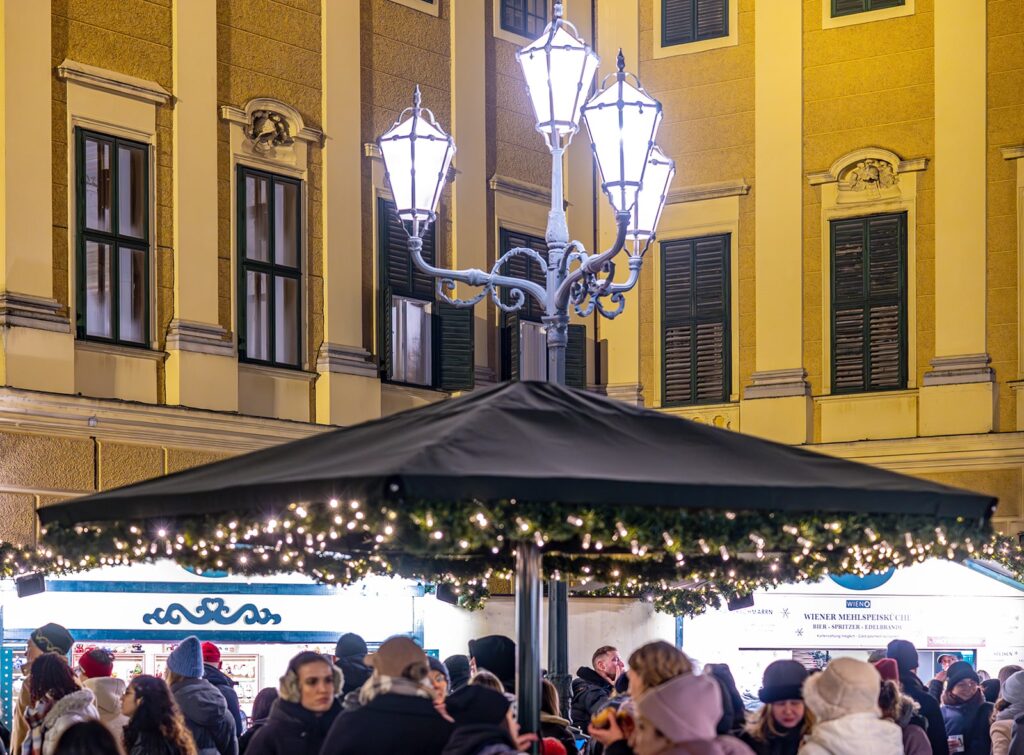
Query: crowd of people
[{"x": 400, "y": 701}]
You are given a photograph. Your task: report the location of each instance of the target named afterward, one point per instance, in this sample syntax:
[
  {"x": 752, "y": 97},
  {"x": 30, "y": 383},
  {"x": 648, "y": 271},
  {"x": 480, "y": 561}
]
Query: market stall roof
[{"x": 531, "y": 441}]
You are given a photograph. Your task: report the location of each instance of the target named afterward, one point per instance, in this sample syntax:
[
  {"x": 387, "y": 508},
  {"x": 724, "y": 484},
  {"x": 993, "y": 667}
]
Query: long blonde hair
[
  {"x": 657, "y": 662},
  {"x": 762, "y": 727}
]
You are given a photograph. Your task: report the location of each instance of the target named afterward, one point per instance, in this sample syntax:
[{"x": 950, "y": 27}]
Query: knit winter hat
[
  {"x": 888, "y": 669},
  {"x": 477, "y": 704},
  {"x": 398, "y": 656},
  {"x": 783, "y": 680},
  {"x": 905, "y": 655},
  {"x": 96, "y": 662},
  {"x": 497, "y": 654},
  {"x": 1013, "y": 689},
  {"x": 437, "y": 665},
  {"x": 211, "y": 653},
  {"x": 458, "y": 670},
  {"x": 960, "y": 671},
  {"x": 350, "y": 644},
  {"x": 53, "y": 638},
  {"x": 187, "y": 659},
  {"x": 846, "y": 686}
]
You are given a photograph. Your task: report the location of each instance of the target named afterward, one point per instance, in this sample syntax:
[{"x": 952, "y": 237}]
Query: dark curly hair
[
  {"x": 50, "y": 676},
  {"x": 88, "y": 738},
  {"x": 157, "y": 719}
]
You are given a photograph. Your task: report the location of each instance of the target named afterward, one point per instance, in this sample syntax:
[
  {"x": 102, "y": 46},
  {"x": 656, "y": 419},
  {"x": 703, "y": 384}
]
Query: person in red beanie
[
  {"x": 97, "y": 667},
  {"x": 901, "y": 709},
  {"x": 224, "y": 684}
]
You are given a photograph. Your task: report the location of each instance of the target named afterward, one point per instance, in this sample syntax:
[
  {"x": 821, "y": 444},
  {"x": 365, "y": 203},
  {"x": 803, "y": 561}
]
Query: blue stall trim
[
  {"x": 994, "y": 572},
  {"x": 200, "y": 588},
  {"x": 176, "y": 635}
]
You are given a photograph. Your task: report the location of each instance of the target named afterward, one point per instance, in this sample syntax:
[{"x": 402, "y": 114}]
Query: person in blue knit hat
[{"x": 203, "y": 706}]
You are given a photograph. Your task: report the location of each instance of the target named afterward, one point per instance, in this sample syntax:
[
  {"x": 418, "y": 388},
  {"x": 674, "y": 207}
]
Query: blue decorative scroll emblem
[{"x": 211, "y": 610}]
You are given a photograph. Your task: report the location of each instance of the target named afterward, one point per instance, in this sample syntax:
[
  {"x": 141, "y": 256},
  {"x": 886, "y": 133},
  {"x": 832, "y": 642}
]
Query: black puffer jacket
[
  {"x": 226, "y": 686},
  {"x": 354, "y": 670},
  {"x": 292, "y": 730},
  {"x": 207, "y": 717},
  {"x": 590, "y": 691},
  {"x": 471, "y": 739},
  {"x": 914, "y": 688},
  {"x": 389, "y": 725}
]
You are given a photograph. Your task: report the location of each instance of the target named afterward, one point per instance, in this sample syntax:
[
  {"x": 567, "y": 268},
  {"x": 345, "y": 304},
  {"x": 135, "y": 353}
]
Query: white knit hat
[{"x": 845, "y": 687}]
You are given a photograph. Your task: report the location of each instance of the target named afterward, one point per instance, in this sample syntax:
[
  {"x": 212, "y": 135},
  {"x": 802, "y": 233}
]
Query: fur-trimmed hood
[
  {"x": 81, "y": 703},
  {"x": 855, "y": 734},
  {"x": 289, "y": 683}
]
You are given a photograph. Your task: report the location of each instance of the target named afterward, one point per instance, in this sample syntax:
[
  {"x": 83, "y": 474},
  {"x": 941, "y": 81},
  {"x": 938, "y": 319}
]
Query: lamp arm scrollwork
[
  {"x": 591, "y": 265},
  {"x": 447, "y": 279}
]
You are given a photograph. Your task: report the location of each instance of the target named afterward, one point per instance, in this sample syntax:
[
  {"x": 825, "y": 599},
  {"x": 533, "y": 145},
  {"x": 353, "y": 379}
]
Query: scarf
[
  {"x": 1012, "y": 712},
  {"x": 954, "y": 701},
  {"x": 34, "y": 716},
  {"x": 379, "y": 684}
]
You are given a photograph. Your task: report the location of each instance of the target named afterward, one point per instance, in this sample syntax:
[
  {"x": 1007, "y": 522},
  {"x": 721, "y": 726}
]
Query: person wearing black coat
[
  {"x": 225, "y": 685},
  {"x": 397, "y": 715},
  {"x": 593, "y": 686},
  {"x": 481, "y": 723},
  {"x": 306, "y": 708},
  {"x": 260, "y": 713},
  {"x": 966, "y": 713},
  {"x": 733, "y": 713},
  {"x": 350, "y": 656},
  {"x": 905, "y": 655}
]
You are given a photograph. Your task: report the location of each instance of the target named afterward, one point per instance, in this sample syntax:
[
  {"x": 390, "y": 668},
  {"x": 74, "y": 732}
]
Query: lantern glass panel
[
  {"x": 558, "y": 77},
  {"x": 417, "y": 154},
  {"x": 650, "y": 200}
]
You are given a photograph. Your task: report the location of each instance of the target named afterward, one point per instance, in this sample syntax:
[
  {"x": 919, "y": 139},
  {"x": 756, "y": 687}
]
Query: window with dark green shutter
[
  {"x": 869, "y": 303},
  {"x": 695, "y": 320},
  {"x": 422, "y": 339},
  {"x": 849, "y": 7},
  {"x": 523, "y": 340},
  {"x": 269, "y": 273},
  {"x": 685, "y": 21},
  {"x": 526, "y": 18},
  {"x": 112, "y": 239}
]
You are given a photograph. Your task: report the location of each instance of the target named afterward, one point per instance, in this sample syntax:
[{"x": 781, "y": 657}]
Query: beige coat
[{"x": 1002, "y": 733}]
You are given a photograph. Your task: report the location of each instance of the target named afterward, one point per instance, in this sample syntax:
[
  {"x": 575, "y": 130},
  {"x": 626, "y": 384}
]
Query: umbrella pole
[{"x": 528, "y": 680}]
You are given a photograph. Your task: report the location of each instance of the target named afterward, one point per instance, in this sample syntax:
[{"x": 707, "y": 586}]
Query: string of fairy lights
[{"x": 684, "y": 561}]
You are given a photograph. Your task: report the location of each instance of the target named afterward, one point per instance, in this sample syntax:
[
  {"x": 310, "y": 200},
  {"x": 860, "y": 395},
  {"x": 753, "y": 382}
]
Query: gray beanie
[
  {"x": 187, "y": 659},
  {"x": 1013, "y": 689}
]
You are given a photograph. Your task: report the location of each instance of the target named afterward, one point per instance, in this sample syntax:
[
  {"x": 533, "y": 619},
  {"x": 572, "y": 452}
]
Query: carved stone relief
[
  {"x": 267, "y": 130},
  {"x": 871, "y": 176}
]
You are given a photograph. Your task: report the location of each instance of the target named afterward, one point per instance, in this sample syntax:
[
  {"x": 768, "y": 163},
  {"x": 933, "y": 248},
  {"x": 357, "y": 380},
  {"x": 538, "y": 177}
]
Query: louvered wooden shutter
[
  {"x": 518, "y": 267},
  {"x": 576, "y": 357},
  {"x": 685, "y": 21},
  {"x": 869, "y": 304},
  {"x": 398, "y": 275},
  {"x": 453, "y": 347},
  {"x": 695, "y": 320}
]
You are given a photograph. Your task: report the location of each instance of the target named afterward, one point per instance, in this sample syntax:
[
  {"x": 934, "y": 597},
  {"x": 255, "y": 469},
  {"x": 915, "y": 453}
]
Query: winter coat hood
[
  {"x": 65, "y": 713},
  {"x": 684, "y": 709},
  {"x": 472, "y": 739},
  {"x": 846, "y": 687},
  {"x": 108, "y": 691},
  {"x": 855, "y": 734},
  {"x": 590, "y": 676},
  {"x": 200, "y": 702},
  {"x": 354, "y": 672}
]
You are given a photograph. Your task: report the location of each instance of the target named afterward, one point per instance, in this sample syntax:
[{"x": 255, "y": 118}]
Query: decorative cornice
[
  {"x": 521, "y": 189},
  {"x": 1013, "y": 153},
  {"x": 735, "y": 188},
  {"x": 297, "y": 127},
  {"x": 114, "y": 82},
  {"x": 347, "y": 360},
  {"x": 131, "y": 352},
  {"x": 778, "y": 384},
  {"x": 26, "y": 311},
  {"x": 133, "y": 422},
  {"x": 202, "y": 337},
  {"x": 283, "y": 373},
  {"x": 966, "y": 368}
]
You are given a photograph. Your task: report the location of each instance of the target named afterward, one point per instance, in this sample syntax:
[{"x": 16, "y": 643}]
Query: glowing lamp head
[
  {"x": 623, "y": 122},
  {"x": 558, "y": 67},
  {"x": 417, "y": 153},
  {"x": 650, "y": 200}
]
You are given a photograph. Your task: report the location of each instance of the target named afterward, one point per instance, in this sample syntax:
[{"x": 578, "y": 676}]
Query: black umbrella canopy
[
  {"x": 531, "y": 441},
  {"x": 628, "y": 498}
]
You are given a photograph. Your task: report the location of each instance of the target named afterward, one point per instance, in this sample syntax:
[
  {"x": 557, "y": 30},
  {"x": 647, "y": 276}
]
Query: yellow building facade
[{"x": 194, "y": 253}]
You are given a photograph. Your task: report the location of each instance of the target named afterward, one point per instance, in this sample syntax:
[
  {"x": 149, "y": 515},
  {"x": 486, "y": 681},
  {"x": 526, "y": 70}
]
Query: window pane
[
  {"x": 131, "y": 302},
  {"x": 99, "y": 290},
  {"x": 131, "y": 191},
  {"x": 98, "y": 190},
  {"x": 286, "y": 215},
  {"x": 257, "y": 315},
  {"x": 533, "y": 351},
  {"x": 410, "y": 341},
  {"x": 286, "y": 320},
  {"x": 257, "y": 218}
]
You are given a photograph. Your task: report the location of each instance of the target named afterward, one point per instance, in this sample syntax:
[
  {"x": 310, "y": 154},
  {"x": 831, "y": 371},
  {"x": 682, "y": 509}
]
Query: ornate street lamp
[{"x": 622, "y": 120}]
